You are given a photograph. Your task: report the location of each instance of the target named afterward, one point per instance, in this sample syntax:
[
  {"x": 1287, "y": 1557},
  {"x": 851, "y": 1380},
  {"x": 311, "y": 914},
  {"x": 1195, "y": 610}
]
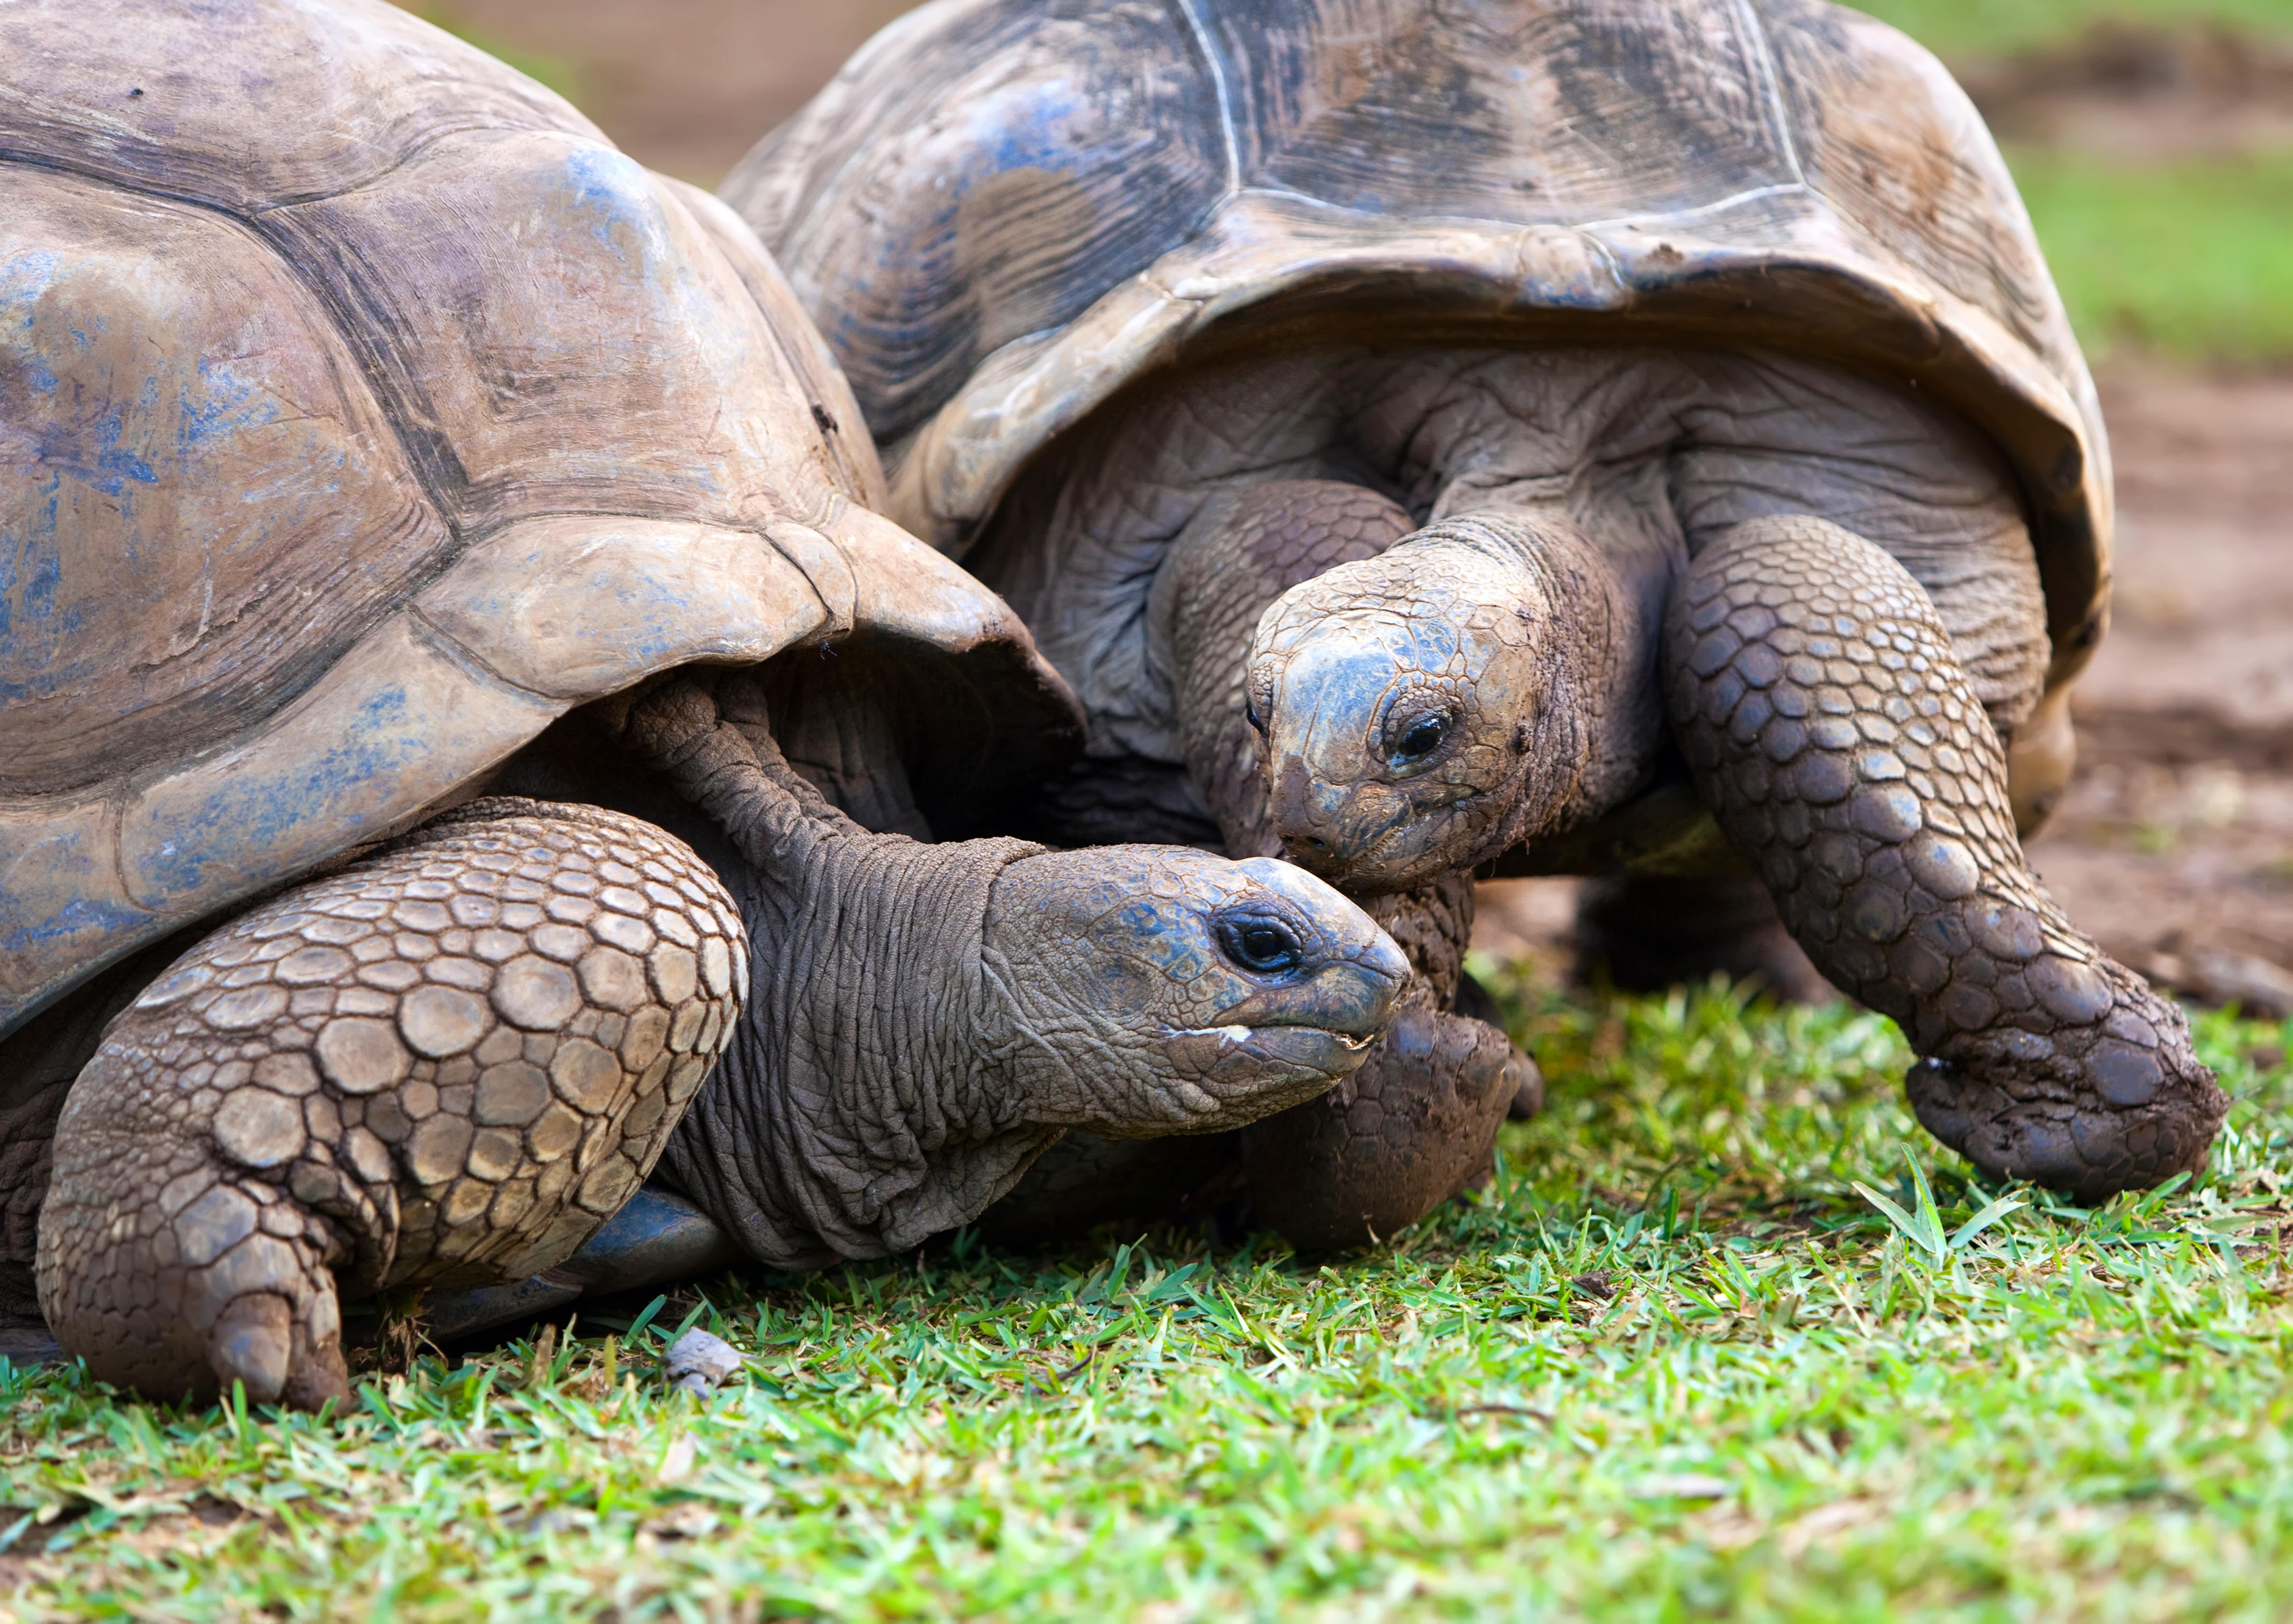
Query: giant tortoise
[
  {"x": 456, "y": 689},
  {"x": 1668, "y": 402}
]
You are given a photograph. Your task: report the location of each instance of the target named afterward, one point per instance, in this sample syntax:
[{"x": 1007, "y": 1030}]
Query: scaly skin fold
[
  {"x": 451, "y": 1065},
  {"x": 937, "y": 1015},
  {"x": 1813, "y": 689}
]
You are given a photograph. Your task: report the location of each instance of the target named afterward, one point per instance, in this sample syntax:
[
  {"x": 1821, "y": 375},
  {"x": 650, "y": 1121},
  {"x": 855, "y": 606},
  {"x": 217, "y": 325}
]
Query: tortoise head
[
  {"x": 1156, "y": 989},
  {"x": 1423, "y": 710}
]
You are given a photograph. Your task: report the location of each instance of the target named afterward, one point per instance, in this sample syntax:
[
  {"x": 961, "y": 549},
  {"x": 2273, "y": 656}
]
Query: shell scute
[
  {"x": 486, "y": 275},
  {"x": 1782, "y": 173},
  {"x": 1054, "y": 149},
  {"x": 166, "y": 368},
  {"x": 159, "y": 97},
  {"x": 1524, "y": 112}
]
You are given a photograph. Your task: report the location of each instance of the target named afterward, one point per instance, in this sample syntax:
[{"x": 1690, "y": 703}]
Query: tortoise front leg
[
  {"x": 1813, "y": 689},
  {"x": 1415, "y": 1125},
  {"x": 446, "y": 1066}
]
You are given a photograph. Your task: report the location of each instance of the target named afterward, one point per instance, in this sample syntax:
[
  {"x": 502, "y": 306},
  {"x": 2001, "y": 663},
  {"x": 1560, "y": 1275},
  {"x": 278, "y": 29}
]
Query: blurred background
[{"x": 2153, "y": 142}]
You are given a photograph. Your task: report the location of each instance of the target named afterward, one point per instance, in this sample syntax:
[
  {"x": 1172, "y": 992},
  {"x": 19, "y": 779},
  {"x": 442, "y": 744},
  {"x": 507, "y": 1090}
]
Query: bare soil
[
  {"x": 2174, "y": 844},
  {"x": 2177, "y": 837},
  {"x": 2139, "y": 92}
]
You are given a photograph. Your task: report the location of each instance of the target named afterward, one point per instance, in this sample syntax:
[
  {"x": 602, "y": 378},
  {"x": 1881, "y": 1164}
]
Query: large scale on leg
[
  {"x": 1828, "y": 723},
  {"x": 1769, "y": 268}
]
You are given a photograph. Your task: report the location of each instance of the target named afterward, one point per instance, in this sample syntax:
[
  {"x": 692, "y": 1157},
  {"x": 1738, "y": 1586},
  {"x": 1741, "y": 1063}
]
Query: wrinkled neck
[
  {"x": 1200, "y": 612},
  {"x": 1240, "y": 553},
  {"x": 857, "y": 1110}
]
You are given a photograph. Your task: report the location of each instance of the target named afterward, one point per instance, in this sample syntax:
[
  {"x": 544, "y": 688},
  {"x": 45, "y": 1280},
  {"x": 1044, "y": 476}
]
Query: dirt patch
[
  {"x": 2177, "y": 837},
  {"x": 686, "y": 85},
  {"x": 2204, "y": 603},
  {"x": 2140, "y": 92}
]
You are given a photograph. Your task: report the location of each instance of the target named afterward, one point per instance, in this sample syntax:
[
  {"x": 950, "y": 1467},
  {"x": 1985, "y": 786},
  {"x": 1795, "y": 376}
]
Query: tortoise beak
[{"x": 1334, "y": 831}]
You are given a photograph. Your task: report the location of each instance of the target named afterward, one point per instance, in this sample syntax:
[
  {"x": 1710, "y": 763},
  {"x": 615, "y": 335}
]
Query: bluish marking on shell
[
  {"x": 1002, "y": 141},
  {"x": 237, "y": 826},
  {"x": 90, "y": 432},
  {"x": 31, "y": 573},
  {"x": 611, "y": 190},
  {"x": 76, "y": 917},
  {"x": 88, "y": 447},
  {"x": 224, "y": 405},
  {"x": 1045, "y": 141}
]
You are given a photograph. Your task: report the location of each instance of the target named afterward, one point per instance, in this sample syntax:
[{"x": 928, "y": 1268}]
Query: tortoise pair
[{"x": 392, "y": 455}]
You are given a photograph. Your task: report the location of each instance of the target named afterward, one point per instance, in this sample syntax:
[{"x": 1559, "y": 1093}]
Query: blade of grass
[
  {"x": 1981, "y": 1220},
  {"x": 1924, "y": 1231}
]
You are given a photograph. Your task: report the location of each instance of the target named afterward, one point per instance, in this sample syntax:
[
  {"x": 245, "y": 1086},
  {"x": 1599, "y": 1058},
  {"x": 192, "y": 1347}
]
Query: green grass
[
  {"x": 2193, "y": 260},
  {"x": 1781, "y": 1408}
]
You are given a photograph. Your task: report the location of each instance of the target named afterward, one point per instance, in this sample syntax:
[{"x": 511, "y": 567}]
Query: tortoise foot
[
  {"x": 1474, "y": 1002},
  {"x": 1525, "y": 1078},
  {"x": 1820, "y": 703},
  {"x": 2117, "y": 1103},
  {"x": 233, "y": 1283},
  {"x": 1415, "y": 1125},
  {"x": 282, "y": 1340}
]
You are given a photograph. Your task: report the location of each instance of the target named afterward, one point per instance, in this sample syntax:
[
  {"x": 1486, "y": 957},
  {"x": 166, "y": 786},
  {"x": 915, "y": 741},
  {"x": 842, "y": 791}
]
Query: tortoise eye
[
  {"x": 1264, "y": 946},
  {"x": 1420, "y": 738},
  {"x": 1250, "y": 712}
]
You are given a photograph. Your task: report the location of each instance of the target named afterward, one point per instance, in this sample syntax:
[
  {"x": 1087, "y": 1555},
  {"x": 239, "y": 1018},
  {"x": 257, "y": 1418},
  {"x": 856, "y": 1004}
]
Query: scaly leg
[
  {"x": 1813, "y": 689},
  {"x": 447, "y": 1064}
]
